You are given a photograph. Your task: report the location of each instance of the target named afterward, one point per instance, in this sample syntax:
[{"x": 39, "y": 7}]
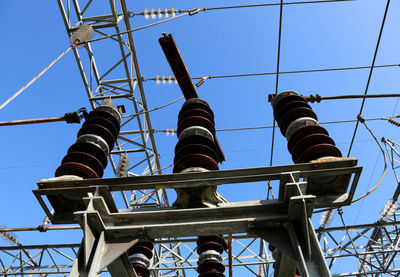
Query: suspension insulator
[
  {"x": 210, "y": 249},
  {"x": 87, "y": 157},
  {"x": 307, "y": 140},
  {"x": 140, "y": 255}
]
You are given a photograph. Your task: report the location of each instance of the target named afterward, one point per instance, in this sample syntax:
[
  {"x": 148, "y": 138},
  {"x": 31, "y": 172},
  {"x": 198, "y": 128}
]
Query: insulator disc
[
  {"x": 319, "y": 151},
  {"x": 210, "y": 266},
  {"x": 217, "y": 238},
  {"x": 96, "y": 140},
  {"x": 212, "y": 274},
  {"x": 196, "y": 112},
  {"x": 107, "y": 115},
  {"x": 99, "y": 131},
  {"x": 289, "y": 106},
  {"x": 77, "y": 169},
  {"x": 195, "y": 103},
  {"x": 141, "y": 271},
  {"x": 195, "y": 160},
  {"x": 196, "y": 121},
  {"x": 108, "y": 124},
  {"x": 86, "y": 159},
  {"x": 193, "y": 149},
  {"x": 303, "y": 132},
  {"x": 309, "y": 141},
  {"x": 286, "y": 99},
  {"x": 293, "y": 115},
  {"x": 145, "y": 248},
  {"x": 210, "y": 245},
  {"x": 90, "y": 148},
  {"x": 195, "y": 139}
]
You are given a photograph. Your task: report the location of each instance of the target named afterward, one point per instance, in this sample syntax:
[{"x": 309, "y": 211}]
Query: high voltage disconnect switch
[
  {"x": 123, "y": 239},
  {"x": 197, "y": 150}
]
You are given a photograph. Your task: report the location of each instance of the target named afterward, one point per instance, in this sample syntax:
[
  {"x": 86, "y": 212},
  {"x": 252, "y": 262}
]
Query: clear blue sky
[{"x": 223, "y": 42}]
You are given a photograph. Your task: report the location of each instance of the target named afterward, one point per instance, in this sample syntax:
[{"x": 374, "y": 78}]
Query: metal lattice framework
[
  {"x": 125, "y": 88},
  {"x": 351, "y": 245}
]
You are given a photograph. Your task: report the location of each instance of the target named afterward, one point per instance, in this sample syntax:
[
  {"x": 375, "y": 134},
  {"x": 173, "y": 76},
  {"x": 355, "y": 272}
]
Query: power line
[
  {"x": 277, "y": 77},
  {"x": 292, "y": 72},
  {"x": 270, "y": 127},
  {"x": 159, "y": 12},
  {"x": 275, "y": 4},
  {"x": 318, "y": 98},
  {"x": 137, "y": 29},
  {"x": 370, "y": 75},
  {"x": 35, "y": 78}
]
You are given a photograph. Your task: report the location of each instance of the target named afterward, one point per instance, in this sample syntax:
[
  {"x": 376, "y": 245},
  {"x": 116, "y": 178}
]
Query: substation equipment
[{"x": 121, "y": 240}]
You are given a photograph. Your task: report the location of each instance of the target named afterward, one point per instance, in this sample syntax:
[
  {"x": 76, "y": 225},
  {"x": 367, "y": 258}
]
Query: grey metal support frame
[
  {"x": 284, "y": 222},
  {"x": 115, "y": 232}
]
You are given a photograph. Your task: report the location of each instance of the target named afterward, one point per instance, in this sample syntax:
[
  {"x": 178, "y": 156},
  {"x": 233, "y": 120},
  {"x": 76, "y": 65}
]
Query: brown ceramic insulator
[
  {"x": 196, "y": 112},
  {"x": 141, "y": 270},
  {"x": 195, "y": 160},
  {"x": 303, "y": 132},
  {"x": 86, "y": 159},
  {"x": 290, "y": 106},
  {"x": 195, "y": 139},
  {"x": 77, "y": 169},
  {"x": 142, "y": 247},
  {"x": 216, "y": 243},
  {"x": 193, "y": 149},
  {"x": 211, "y": 267},
  {"x": 107, "y": 115},
  {"x": 145, "y": 248},
  {"x": 91, "y": 149},
  {"x": 285, "y": 100},
  {"x": 195, "y": 103},
  {"x": 319, "y": 151},
  {"x": 309, "y": 141},
  {"x": 196, "y": 121},
  {"x": 106, "y": 123},
  {"x": 100, "y": 131},
  {"x": 294, "y": 114}
]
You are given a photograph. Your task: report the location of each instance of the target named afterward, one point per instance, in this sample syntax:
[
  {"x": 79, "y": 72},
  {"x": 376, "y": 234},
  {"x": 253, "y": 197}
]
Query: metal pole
[{"x": 32, "y": 121}]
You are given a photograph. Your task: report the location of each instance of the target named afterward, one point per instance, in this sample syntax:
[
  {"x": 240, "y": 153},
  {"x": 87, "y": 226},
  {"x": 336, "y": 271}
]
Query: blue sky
[{"x": 222, "y": 42}]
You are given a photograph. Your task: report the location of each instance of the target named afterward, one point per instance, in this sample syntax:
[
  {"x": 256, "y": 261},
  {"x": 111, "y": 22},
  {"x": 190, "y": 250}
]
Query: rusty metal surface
[{"x": 177, "y": 65}]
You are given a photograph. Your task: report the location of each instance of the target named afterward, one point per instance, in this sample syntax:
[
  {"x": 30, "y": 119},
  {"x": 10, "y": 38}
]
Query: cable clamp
[
  {"x": 76, "y": 116},
  {"x": 194, "y": 11},
  {"x": 360, "y": 118},
  {"x": 201, "y": 81},
  {"x": 315, "y": 98}
]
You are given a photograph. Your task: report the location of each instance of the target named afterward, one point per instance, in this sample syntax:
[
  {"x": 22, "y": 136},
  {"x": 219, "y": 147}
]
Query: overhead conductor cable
[{"x": 82, "y": 35}]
